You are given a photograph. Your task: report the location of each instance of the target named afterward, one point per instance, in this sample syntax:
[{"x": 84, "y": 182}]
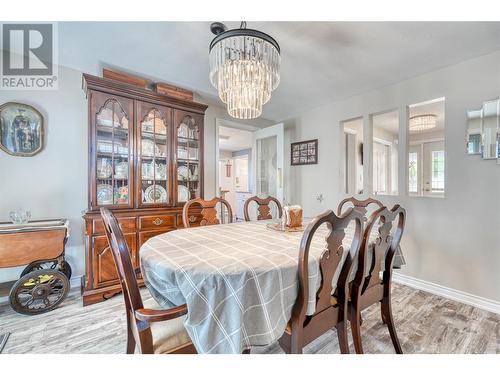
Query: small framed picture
[
  {"x": 305, "y": 152},
  {"x": 21, "y": 129}
]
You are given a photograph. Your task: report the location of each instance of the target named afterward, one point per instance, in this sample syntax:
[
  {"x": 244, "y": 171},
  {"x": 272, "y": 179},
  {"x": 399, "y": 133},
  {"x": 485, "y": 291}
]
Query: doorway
[{"x": 249, "y": 162}]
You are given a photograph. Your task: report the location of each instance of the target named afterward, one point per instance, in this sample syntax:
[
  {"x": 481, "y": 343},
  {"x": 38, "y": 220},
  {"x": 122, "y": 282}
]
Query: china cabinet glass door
[
  {"x": 188, "y": 157},
  {"x": 112, "y": 152},
  {"x": 153, "y": 151}
]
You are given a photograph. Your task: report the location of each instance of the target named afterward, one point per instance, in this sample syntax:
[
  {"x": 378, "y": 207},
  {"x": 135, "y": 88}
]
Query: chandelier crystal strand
[{"x": 245, "y": 71}]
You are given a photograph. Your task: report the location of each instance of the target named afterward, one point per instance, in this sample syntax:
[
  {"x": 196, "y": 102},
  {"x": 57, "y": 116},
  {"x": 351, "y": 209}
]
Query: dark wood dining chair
[
  {"x": 361, "y": 205},
  {"x": 263, "y": 208},
  {"x": 368, "y": 288},
  {"x": 331, "y": 308},
  {"x": 208, "y": 211},
  {"x": 150, "y": 328}
]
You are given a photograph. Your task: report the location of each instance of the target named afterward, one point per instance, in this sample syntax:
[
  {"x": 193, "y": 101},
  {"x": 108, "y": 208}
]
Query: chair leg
[
  {"x": 384, "y": 320},
  {"x": 355, "y": 318},
  {"x": 342, "y": 337},
  {"x": 387, "y": 313},
  {"x": 296, "y": 343},
  {"x": 130, "y": 341}
]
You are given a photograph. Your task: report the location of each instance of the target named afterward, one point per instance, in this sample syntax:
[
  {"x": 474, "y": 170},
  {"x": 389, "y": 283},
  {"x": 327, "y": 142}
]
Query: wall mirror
[
  {"x": 352, "y": 131},
  {"x": 426, "y": 151},
  {"x": 385, "y": 151},
  {"x": 474, "y": 131},
  {"x": 483, "y": 130}
]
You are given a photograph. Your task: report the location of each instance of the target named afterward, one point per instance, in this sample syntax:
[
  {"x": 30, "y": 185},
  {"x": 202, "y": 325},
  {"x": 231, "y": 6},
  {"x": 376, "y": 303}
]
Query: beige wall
[{"x": 452, "y": 241}]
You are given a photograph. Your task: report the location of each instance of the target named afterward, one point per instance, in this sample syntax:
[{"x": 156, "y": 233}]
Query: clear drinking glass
[{"x": 20, "y": 216}]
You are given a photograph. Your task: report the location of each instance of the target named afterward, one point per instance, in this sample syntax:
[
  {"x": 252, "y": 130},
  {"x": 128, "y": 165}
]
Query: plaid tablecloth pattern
[{"x": 239, "y": 281}]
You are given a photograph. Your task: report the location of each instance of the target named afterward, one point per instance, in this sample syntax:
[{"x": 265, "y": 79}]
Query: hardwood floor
[{"x": 426, "y": 324}]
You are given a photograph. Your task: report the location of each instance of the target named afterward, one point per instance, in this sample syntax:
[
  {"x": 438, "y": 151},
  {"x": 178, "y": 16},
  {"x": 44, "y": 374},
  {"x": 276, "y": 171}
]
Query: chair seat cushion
[{"x": 168, "y": 335}]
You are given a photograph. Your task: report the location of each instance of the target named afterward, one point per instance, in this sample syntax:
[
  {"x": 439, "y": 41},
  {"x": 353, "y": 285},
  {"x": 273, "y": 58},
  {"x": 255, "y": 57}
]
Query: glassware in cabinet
[
  {"x": 188, "y": 157},
  {"x": 153, "y": 155},
  {"x": 112, "y": 151}
]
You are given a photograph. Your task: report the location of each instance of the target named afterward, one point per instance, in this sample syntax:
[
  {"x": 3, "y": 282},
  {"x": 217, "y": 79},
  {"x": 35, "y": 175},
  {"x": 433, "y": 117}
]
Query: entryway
[{"x": 249, "y": 162}]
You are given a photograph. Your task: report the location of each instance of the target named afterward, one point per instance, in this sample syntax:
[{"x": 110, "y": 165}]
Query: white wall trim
[{"x": 453, "y": 294}]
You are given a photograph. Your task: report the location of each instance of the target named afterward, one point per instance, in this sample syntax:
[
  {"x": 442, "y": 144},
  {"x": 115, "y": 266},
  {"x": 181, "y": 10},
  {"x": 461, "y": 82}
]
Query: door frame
[
  {"x": 227, "y": 124},
  {"x": 267, "y": 132}
]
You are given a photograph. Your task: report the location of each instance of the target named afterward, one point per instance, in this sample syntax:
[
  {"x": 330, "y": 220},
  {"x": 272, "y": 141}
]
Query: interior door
[
  {"x": 415, "y": 170},
  {"x": 433, "y": 168},
  {"x": 268, "y": 155}
]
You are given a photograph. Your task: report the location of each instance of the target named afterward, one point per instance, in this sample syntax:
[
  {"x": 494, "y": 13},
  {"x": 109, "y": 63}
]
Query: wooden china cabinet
[{"x": 145, "y": 161}]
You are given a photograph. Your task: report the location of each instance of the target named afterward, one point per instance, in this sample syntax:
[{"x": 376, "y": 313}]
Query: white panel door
[
  {"x": 433, "y": 168},
  {"x": 268, "y": 154}
]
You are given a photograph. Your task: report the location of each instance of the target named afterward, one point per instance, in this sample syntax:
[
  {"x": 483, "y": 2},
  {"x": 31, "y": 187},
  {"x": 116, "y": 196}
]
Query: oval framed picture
[{"x": 21, "y": 129}]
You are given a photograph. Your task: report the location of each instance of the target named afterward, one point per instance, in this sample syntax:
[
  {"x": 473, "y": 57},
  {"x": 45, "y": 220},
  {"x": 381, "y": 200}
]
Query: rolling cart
[{"x": 44, "y": 282}]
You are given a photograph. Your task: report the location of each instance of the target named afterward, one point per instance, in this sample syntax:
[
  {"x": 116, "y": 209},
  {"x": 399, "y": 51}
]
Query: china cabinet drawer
[
  {"x": 127, "y": 225},
  {"x": 144, "y": 236},
  {"x": 154, "y": 222},
  {"x": 194, "y": 217}
]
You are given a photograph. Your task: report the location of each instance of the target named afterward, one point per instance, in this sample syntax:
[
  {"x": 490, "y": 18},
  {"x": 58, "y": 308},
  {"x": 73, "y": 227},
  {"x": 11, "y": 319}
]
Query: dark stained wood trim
[{"x": 91, "y": 82}]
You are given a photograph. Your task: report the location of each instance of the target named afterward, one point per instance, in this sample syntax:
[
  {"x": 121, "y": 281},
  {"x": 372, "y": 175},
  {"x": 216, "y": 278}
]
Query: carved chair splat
[
  {"x": 368, "y": 288},
  {"x": 208, "y": 211},
  {"x": 331, "y": 311},
  {"x": 263, "y": 209}
]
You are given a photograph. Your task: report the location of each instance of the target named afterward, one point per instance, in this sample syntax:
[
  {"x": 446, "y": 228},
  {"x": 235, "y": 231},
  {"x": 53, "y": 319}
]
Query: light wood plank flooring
[{"x": 426, "y": 324}]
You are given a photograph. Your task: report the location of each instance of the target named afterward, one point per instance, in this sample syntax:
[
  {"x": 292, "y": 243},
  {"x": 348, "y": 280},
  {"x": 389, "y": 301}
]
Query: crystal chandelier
[
  {"x": 422, "y": 122},
  {"x": 244, "y": 68}
]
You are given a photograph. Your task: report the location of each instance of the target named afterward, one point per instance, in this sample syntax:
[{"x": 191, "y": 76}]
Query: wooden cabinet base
[
  {"x": 98, "y": 295},
  {"x": 101, "y": 280}
]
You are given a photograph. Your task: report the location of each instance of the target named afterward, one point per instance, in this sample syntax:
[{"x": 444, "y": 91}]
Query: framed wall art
[
  {"x": 21, "y": 129},
  {"x": 305, "y": 152}
]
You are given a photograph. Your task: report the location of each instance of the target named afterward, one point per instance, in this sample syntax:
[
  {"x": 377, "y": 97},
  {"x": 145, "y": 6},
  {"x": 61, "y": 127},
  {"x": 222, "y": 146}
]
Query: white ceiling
[
  {"x": 232, "y": 139},
  {"x": 388, "y": 121},
  {"x": 321, "y": 61}
]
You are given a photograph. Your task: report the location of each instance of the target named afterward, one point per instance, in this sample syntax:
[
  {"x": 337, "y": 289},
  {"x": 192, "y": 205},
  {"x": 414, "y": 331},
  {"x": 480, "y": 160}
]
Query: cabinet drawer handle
[
  {"x": 157, "y": 221},
  {"x": 192, "y": 219}
]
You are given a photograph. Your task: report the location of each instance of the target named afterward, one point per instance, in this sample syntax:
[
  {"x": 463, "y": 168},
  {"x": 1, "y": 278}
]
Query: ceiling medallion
[
  {"x": 244, "y": 68},
  {"x": 422, "y": 122}
]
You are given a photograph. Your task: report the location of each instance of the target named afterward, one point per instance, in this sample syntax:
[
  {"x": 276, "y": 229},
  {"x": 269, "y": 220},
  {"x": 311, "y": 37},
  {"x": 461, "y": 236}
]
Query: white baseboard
[
  {"x": 74, "y": 282},
  {"x": 443, "y": 291}
]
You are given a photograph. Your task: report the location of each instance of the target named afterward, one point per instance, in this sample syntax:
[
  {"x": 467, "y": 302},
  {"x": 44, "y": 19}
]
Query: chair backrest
[
  {"x": 389, "y": 225},
  {"x": 361, "y": 205},
  {"x": 263, "y": 209},
  {"x": 208, "y": 211},
  {"x": 330, "y": 259}
]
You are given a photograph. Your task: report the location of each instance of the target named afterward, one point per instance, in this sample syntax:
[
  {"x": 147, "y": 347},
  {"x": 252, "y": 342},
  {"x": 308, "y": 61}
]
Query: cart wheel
[
  {"x": 47, "y": 265},
  {"x": 39, "y": 291}
]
